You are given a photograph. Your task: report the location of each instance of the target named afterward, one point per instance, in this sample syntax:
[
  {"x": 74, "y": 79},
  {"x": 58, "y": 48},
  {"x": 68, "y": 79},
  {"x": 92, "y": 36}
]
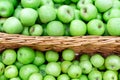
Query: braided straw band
[{"x": 81, "y": 44}]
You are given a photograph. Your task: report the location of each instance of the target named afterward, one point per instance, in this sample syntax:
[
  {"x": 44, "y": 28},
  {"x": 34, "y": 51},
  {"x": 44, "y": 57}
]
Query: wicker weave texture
[{"x": 83, "y": 44}]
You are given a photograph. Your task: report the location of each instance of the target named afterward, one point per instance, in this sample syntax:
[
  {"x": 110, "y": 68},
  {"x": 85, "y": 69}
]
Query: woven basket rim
[{"x": 80, "y": 44}]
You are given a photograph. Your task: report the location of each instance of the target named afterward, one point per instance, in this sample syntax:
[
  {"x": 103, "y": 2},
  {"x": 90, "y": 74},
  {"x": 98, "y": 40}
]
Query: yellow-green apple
[
  {"x": 113, "y": 26},
  {"x": 47, "y": 13},
  {"x": 77, "y": 28},
  {"x": 30, "y": 3},
  {"x": 95, "y": 27},
  {"x": 6, "y": 8},
  {"x": 28, "y": 16},
  {"x": 103, "y": 5},
  {"x": 65, "y": 13},
  {"x": 12, "y": 25},
  {"x": 86, "y": 12}
]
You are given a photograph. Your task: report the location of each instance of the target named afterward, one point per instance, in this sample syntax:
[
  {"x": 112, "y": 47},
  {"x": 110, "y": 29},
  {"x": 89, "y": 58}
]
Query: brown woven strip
[{"x": 83, "y": 44}]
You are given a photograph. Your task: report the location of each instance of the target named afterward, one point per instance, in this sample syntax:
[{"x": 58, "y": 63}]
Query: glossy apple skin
[
  {"x": 6, "y": 8},
  {"x": 46, "y": 14},
  {"x": 110, "y": 75},
  {"x": 65, "y": 13},
  {"x": 12, "y": 25},
  {"x": 28, "y": 16},
  {"x": 107, "y": 5},
  {"x": 113, "y": 26},
  {"x": 95, "y": 27},
  {"x": 86, "y": 12},
  {"x": 78, "y": 28}
]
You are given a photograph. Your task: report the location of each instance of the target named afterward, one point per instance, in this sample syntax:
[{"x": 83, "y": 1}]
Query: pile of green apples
[
  {"x": 26, "y": 63},
  {"x": 60, "y": 17}
]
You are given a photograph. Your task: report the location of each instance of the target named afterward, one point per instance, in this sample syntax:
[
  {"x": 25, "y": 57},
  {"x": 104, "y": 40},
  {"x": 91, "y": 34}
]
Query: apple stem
[
  {"x": 97, "y": 78},
  {"x": 83, "y": 2},
  {"x": 68, "y": 11},
  {"x": 99, "y": 26},
  {"x": 85, "y": 10}
]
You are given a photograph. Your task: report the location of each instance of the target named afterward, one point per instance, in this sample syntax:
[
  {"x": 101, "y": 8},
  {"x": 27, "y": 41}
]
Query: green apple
[
  {"x": 102, "y": 67},
  {"x": 36, "y": 30},
  {"x": 74, "y": 71},
  {"x": 113, "y": 26},
  {"x": 47, "y": 2},
  {"x": 30, "y": 3},
  {"x": 76, "y": 62},
  {"x": 77, "y": 28},
  {"x": 2, "y": 77},
  {"x": 83, "y": 77},
  {"x": 110, "y": 75},
  {"x": 8, "y": 56},
  {"x": 28, "y": 16},
  {"x": 58, "y": 1},
  {"x": 15, "y": 78},
  {"x": 53, "y": 68},
  {"x": 17, "y": 12},
  {"x": 18, "y": 64},
  {"x": 86, "y": 66},
  {"x": 6, "y": 8},
  {"x": 45, "y": 31},
  {"x": 86, "y": 12},
  {"x": 14, "y": 2},
  {"x": 68, "y": 54},
  {"x": 99, "y": 16},
  {"x": 65, "y": 65},
  {"x": 95, "y": 27},
  {"x": 116, "y": 4},
  {"x": 57, "y": 5},
  {"x": 112, "y": 13},
  {"x": 47, "y": 13},
  {"x": 95, "y": 75},
  {"x": 65, "y": 13},
  {"x": 74, "y": 79},
  {"x": 11, "y": 71},
  {"x": 83, "y": 2},
  {"x": 63, "y": 77},
  {"x": 0, "y": 57},
  {"x": 2, "y": 20},
  {"x": 67, "y": 30},
  {"x": 106, "y": 31},
  {"x": 73, "y": 6},
  {"x": 59, "y": 62},
  {"x": 97, "y": 60},
  {"x": 42, "y": 69},
  {"x": 77, "y": 14},
  {"x": 67, "y": 2},
  {"x": 51, "y": 56},
  {"x": 39, "y": 58},
  {"x": 26, "y": 30},
  {"x": 25, "y": 55},
  {"x": 116, "y": 72},
  {"x": 12, "y": 26},
  {"x": 35, "y": 76},
  {"x": 107, "y": 5},
  {"x": 49, "y": 77},
  {"x": 2, "y": 68},
  {"x": 74, "y": 1},
  {"x": 112, "y": 62},
  {"x": 118, "y": 76},
  {"x": 26, "y": 70},
  {"x": 53, "y": 30},
  {"x": 84, "y": 57}
]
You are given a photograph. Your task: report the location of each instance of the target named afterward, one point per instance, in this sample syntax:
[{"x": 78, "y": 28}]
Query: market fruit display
[
  {"x": 25, "y": 63},
  {"x": 60, "y": 17}
]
